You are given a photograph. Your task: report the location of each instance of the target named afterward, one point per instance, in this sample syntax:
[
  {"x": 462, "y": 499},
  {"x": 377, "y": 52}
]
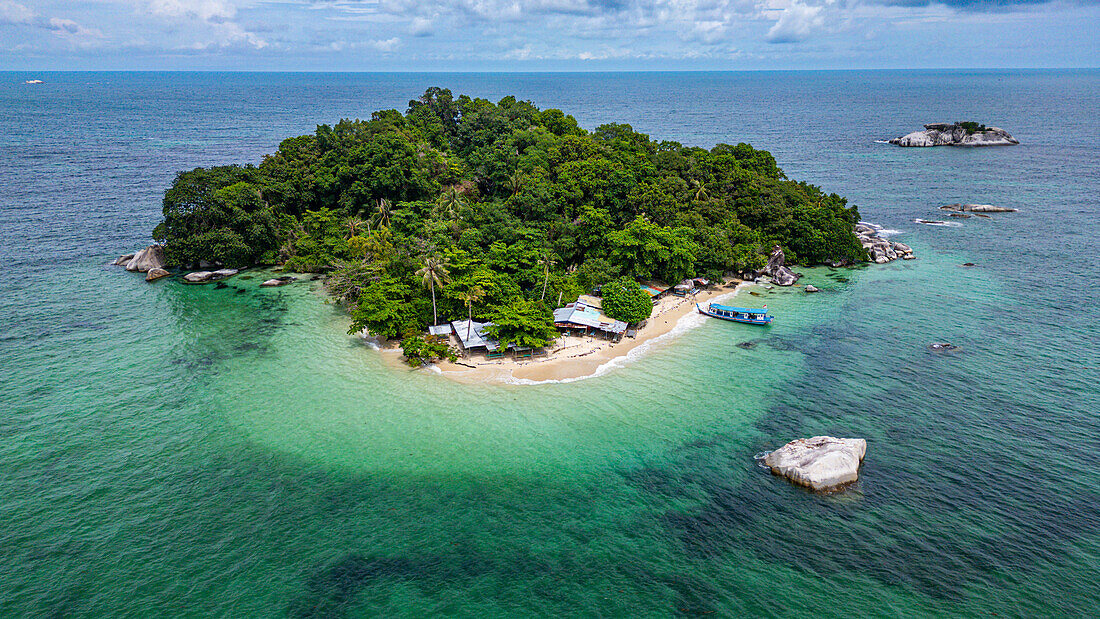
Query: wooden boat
[{"x": 736, "y": 314}]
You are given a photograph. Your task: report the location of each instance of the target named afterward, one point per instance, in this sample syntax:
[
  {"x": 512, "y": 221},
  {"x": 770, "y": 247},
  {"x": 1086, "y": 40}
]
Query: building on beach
[
  {"x": 655, "y": 290},
  {"x": 472, "y": 336},
  {"x": 582, "y": 318}
]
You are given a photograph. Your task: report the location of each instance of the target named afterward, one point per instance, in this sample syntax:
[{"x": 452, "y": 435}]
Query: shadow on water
[{"x": 334, "y": 588}]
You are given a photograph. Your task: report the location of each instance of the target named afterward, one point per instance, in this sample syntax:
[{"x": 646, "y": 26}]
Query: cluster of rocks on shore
[
  {"x": 780, "y": 274},
  {"x": 881, "y": 250},
  {"x": 955, "y": 134},
  {"x": 149, "y": 261},
  {"x": 821, "y": 463}
]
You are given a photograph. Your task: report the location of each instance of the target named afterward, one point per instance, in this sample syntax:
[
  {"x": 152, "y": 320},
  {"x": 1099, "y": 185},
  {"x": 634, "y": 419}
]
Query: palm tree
[
  {"x": 515, "y": 183},
  {"x": 545, "y": 261},
  {"x": 473, "y": 295},
  {"x": 700, "y": 190},
  {"x": 434, "y": 273},
  {"x": 449, "y": 202},
  {"x": 385, "y": 209},
  {"x": 354, "y": 224}
]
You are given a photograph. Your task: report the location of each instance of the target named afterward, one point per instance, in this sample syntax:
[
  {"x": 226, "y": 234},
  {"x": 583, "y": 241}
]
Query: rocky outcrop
[
  {"x": 151, "y": 257},
  {"x": 785, "y": 277},
  {"x": 122, "y": 261},
  {"x": 955, "y": 134},
  {"x": 821, "y": 463},
  {"x": 812, "y": 288},
  {"x": 224, "y": 273},
  {"x": 278, "y": 281},
  {"x": 978, "y": 208},
  {"x": 879, "y": 249},
  {"x": 198, "y": 277},
  {"x": 780, "y": 274},
  {"x": 153, "y": 274}
]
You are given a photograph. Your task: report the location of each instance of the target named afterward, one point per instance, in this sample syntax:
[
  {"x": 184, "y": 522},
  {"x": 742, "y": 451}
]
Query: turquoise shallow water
[{"x": 175, "y": 450}]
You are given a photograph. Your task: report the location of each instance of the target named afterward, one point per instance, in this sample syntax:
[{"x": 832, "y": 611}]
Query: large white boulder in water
[
  {"x": 151, "y": 257},
  {"x": 821, "y": 463},
  {"x": 948, "y": 134}
]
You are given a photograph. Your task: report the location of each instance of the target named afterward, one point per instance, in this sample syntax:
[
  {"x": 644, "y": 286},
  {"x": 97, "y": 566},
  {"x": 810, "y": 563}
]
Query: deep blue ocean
[{"x": 183, "y": 451}]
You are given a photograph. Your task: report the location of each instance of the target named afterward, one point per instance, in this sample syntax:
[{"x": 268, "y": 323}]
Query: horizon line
[{"x": 527, "y": 71}]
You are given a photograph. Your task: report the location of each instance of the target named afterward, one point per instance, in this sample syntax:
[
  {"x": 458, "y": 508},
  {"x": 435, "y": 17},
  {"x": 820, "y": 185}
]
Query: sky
[{"x": 546, "y": 35}]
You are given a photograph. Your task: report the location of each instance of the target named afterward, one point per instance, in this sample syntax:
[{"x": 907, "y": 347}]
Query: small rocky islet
[
  {"x": 821, "y": 463},
  {"x": 966, "y": 211},
  {"x": 966, "y": 134}
]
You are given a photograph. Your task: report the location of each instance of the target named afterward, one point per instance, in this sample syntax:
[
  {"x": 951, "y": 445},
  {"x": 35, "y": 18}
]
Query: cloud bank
[{"x": 579, "y": 34}]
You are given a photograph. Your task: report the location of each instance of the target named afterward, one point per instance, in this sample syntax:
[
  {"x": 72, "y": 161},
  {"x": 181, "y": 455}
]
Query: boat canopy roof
[{"x": 738, "y": 310}]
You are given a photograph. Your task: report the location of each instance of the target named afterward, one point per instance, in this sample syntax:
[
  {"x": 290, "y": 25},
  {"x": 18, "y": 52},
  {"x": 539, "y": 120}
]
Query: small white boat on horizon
[{"x": 34, "y": 82}]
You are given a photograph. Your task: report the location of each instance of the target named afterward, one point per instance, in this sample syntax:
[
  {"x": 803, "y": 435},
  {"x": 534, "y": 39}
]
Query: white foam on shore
[
  {"x": 937, "y": 222},
  {"x": 369, "y": 340},
  {"x": 686, "y": 323},
  {"x": 880, "y": 231}
]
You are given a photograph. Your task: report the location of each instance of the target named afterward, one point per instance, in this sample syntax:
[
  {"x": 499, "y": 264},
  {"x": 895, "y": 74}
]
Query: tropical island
[{"x": 465, "y": 227}]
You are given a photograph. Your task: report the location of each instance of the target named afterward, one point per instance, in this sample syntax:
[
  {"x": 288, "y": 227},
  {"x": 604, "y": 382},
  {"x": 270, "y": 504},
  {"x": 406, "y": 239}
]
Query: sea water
[{"x": 191, "y": 450}]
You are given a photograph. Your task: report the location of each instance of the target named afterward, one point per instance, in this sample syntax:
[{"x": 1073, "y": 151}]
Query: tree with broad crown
[
  {"x": 624, "y": 300},
  {"x": 527, "y": 324}
]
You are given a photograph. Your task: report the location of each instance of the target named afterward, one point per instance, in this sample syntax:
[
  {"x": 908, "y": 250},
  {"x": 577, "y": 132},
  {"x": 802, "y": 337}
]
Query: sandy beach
[{"x": 579, "y": 357}]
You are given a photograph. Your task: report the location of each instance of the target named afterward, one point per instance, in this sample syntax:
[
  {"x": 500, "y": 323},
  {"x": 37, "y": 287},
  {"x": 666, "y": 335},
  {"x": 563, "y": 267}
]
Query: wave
[
  {"x": 880, "y": 231},
  {"x": 936, "y": 222}
]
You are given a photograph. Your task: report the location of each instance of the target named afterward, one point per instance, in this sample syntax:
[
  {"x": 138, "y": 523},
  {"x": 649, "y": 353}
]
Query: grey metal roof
[
  {"x": 581, "y": 314},
  {"x": 477, "y": 336},
  {"x": 444, "y": 329}
]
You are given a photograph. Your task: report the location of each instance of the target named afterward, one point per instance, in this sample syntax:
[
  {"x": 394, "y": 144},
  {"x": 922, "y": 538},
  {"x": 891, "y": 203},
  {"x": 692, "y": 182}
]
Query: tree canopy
[
  {"x": 518, "y": 202},
  {"x": 624, "y": 300}
]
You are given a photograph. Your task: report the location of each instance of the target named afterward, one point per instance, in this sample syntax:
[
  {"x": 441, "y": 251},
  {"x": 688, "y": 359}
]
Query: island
[
  {"x": 956, "y": 134},
  {"x": 465, "y": 232}
]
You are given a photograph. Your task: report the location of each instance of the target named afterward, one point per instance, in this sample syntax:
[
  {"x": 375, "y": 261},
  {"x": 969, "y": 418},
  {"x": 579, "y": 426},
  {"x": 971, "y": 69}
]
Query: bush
[
  {"x": 624, "y": 300},
  {"x": 420, "y": 350}
]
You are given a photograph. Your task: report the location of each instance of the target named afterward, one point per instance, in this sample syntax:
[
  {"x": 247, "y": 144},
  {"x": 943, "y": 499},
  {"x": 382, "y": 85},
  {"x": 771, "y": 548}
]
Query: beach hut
[
  {"x": 588, "y": 320},
  {"x": 655, "y": 291},
  {"x": 473, "y": 337},
  {"x": 443, "y": 330}
]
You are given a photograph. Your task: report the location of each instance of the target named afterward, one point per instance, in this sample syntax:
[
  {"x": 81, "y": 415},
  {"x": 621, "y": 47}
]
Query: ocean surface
[{"x": 189, "y": 451}]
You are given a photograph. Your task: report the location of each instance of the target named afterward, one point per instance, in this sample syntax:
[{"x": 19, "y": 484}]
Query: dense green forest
[{"x": 462, "y": 207}]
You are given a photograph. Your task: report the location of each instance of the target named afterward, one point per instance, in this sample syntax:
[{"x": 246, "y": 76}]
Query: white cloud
[
  {"x": 796, "y": 23},
  {"x": 206, "y": 10},
  {"x": 71, "y": 28},
  {"x": 420, "y": 27},
  {"x": 15, "y": 13},
  {"x": 211, "y": 23},
  {"x": 388, "y": 45}
]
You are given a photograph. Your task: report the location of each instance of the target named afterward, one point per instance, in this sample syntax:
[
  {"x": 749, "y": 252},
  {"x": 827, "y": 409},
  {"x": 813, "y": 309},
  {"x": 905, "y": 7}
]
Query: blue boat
[{"x": 746, "y": 315}]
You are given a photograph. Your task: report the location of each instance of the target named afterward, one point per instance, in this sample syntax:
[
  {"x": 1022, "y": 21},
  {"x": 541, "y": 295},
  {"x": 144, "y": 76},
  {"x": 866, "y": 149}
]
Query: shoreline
[{"x": 578, "y": 358}]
